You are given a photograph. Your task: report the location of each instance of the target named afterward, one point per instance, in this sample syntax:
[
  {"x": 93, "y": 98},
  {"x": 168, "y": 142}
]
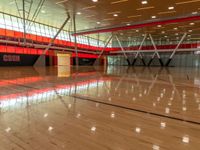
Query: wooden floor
[{"x": 114, "y": 108}]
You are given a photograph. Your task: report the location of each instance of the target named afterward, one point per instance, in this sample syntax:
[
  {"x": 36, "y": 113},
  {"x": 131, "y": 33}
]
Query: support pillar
[
  {"x": 174, "y": 51},
  {"x": 155, "y": 53},
  {"x": 139, "y": 54},
  {"x": 129, "y": 63},
  {"x": 41, "y": 60}
]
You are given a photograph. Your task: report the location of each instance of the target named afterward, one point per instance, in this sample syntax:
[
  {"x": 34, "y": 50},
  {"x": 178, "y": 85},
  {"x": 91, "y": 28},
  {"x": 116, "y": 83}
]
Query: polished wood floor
[{"x": 114, "y": 108}]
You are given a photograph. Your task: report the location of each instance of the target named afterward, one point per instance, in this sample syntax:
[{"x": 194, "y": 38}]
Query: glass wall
[{"x": 16, "y": 24}]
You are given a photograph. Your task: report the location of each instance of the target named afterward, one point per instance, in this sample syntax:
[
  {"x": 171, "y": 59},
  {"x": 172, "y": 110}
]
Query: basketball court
[{"x": 99, "y": 75}]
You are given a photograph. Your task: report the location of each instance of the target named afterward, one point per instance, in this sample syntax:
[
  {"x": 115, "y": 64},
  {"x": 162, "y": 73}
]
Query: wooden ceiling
[{"x": 92, "y": 15}]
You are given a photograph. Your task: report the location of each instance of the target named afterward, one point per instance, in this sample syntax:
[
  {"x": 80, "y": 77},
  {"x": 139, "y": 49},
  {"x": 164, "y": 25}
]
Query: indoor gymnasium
[{"x": 99, "y": 74}]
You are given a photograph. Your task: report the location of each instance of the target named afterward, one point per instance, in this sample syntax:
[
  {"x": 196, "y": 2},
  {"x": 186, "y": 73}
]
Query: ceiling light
[
  {"x": 95, "y": 1},
  {"x": 175, "y": 28},
  {"x": 159, "y": 26},
  {"x": 195, "y": 12},
  {"x": 119, "y": 1},
  {"x": 153, "y": 17},
  {"x": 128, "y": 24},
  {"x": 192, "y": 23},
  {"x": 61, "y": 1},
  {"x": 78, "y": 13},
  {"x": 186, "y": 2},
  {"x": 144, "y": 2},
  {"x": 144, "y": 8},
  {"x": 98, "y": 22},
  {"x": 115, "y": 15},
  {"x": 166, "y": 12},
  {"x": 171, "y": 8},
  {"x": 43, "y": 11}
]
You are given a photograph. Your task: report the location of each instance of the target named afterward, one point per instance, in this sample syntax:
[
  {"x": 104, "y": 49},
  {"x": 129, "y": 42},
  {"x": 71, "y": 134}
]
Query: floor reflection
[{"x": 114, "y": 107}]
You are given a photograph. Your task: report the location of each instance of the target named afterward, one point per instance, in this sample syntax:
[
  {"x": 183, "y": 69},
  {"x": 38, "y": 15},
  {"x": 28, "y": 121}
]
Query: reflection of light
[
  {"x": 69, "y": 105},
  {"x": 158, "y": 99},
  {"x": 97, "y": 104},
  {"x": 50, "y": 128},
  {"x": 138, "y": 130},
  {"x": 8, "y": 129},
  {"x": 140, "y": 95},
  {"x": 154, "y": 104},
  {"x": 184, "y": 108},
  {"x": 167, "y": 110},
  {"x": 78, "y": 115},
  {"x": 134, "y": 99},
  {"x": 45, "y": 115},
  {"x": 19, "y": 101},
  {"x": 156, "y": 147},
  {"x": 169, "y": 104},
  {"x": 145, "y": 92},
  {"x": 161, "y": 95},
  {"x": 185, "y": 139},
  {"x": 163, "y": 125},
  {"x": 112, "y": 115},
  {"x": 93, "y": 129}
]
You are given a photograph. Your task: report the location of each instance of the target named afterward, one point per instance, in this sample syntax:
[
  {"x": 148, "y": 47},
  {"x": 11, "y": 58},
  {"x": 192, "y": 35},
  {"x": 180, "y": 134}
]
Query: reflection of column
[{"x": 64, "y": 71}]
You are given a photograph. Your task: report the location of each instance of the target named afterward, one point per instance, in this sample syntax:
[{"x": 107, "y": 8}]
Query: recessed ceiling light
[
  {"x": 171, "y": 7},
  {"x": 115, "y": 15},
  {"x": 153, "y": 17},
  {"x": 195, "y": 12},
  {"x": 163, "y": 32},
  {"x": 78, "y": 13},
  {"x": 192, "y": 23},
  {"x": 98, "y": 22},
  {"x": 95, "y": 1},
  {"x": 144, "y": 2}
]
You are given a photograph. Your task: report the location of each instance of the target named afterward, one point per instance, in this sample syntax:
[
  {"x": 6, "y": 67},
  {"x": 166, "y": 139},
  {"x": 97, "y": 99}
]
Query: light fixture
[
  {"x": 128, "y": 24},
  {"x": 171, "y": 7},
  {"x": 43, "y": 11},
  {"x": 195, "y": 12},
  {"x": 192, "y": 23},
  {"x": 159, "y": 26},
  {"x": 95, "y": 1},
  {"x": 144, "y": 2},
  {"x": 153, "y": 17},
  {"x": 189, "y": 30},
  {"x": 115, "y": 15},
  {"x": 175, "y": 28},
  {"x": 78, "y": 13},
  {"x": 98, "y": 22},
  {"x": 163, "y": 32}
]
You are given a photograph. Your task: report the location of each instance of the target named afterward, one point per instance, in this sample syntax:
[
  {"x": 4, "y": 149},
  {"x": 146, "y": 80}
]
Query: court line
[{"x": 134, "y": 109}]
